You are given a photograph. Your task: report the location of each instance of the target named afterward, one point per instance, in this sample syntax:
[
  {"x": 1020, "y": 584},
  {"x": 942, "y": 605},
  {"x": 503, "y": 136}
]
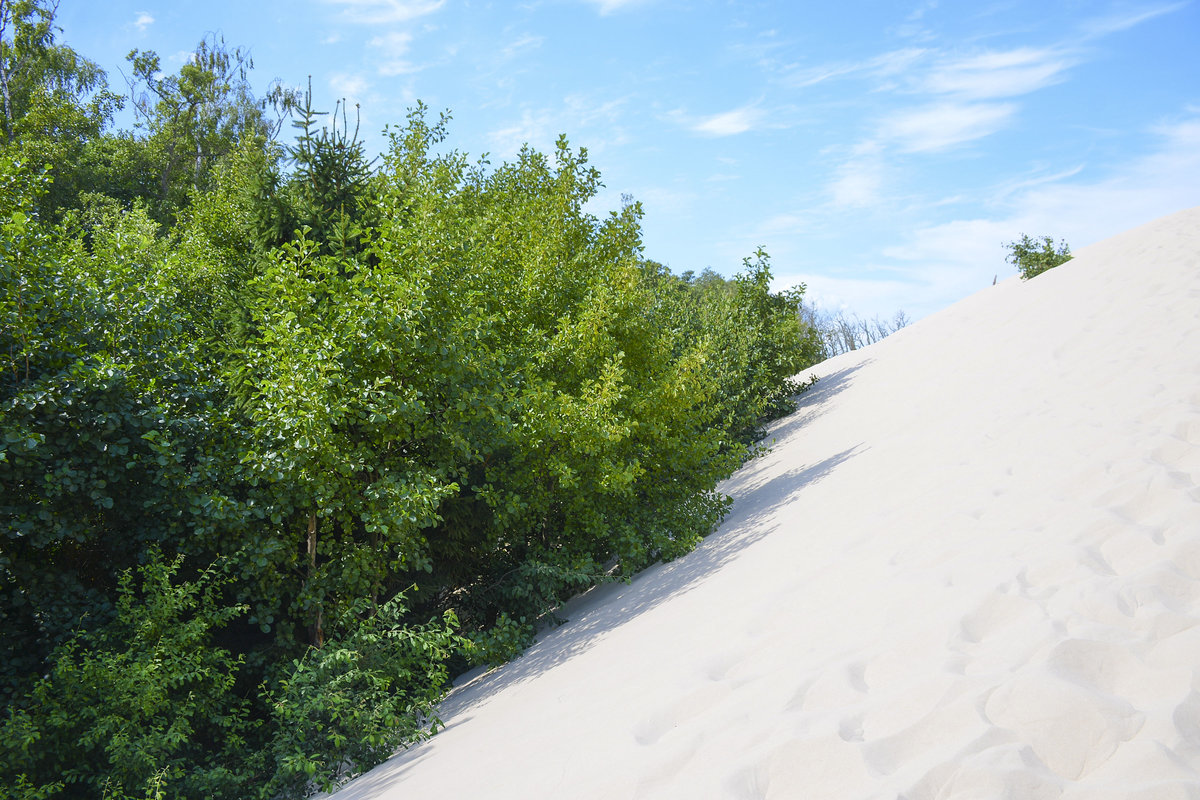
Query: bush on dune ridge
[{"x": 1033, "y": 256}]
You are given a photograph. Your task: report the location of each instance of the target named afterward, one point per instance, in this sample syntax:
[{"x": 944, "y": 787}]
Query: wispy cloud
[
  {"x": 582, "y": 117},
  {"x": 584, "y": 111},
  {"x": 534, "y": 128},
  {"x": 885, "y": 65},
  {"x": 920, "y": 11},
  {"x": 350, "y": 87},
  {"x": 859, "y": 181},
  {"x": 395, "y": 45},
  {"x": 1024, "y": 184},
  {"x": 729, "y": 123},
  {"x": 913, "y": 26},
  {"x": 1078, "y": 205},
  {"x": 608, "y": 6},
  {"x": 521, "y": 45},
  {"x": 665, "y": 199},
  {"x": 1114, "y": 23},
  {"x": 996, "y": 74},
  {"x": 787, "y": 223},
  {"x": 395, "y": 42},
  {"x": 943, "y": 125},
  {"x": 379, "y": 12},
  {"x": 143, "y": 21}
]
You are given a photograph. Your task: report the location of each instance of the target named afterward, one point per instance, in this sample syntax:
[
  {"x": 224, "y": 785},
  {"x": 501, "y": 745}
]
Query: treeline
[
  {"x": 842, "y": 332},
  {"x": 288, "y": 435}
]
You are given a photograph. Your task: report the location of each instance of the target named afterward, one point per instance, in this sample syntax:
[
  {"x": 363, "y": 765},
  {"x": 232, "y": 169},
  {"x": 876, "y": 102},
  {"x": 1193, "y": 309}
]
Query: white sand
[{"x": 970, "y": 568}]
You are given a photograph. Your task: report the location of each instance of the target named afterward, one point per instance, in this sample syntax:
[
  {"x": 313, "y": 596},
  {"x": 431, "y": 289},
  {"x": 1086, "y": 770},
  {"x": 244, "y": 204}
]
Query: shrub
[
  {"x": 1034, "y": 256},
  {"x": 350, "y": 704},
  {"x": 143, "y": 704}
]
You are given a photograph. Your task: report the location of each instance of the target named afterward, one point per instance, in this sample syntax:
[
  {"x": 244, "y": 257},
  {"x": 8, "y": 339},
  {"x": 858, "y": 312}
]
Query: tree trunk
[
  {"x": 317, "y": 631},
  {"x": 5, "y": 14}
]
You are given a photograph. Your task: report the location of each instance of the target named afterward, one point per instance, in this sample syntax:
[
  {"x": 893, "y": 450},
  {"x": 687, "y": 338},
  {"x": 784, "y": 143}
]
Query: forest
[{"x": 290, "y": 434}]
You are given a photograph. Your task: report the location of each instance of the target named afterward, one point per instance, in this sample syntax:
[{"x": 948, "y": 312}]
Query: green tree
[
  {"x": 198, "y": 116},
  {"x": 54, "y": 100},
  {"x": 106, "y": 424},
  {"x": 1032, "y": 257}
]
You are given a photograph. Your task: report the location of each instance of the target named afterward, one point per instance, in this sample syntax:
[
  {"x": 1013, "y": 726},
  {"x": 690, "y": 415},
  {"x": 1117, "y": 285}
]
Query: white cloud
[
  {"x": 943, "y": 125},
  {"x": 395, "y": 45},
  {"x": 864, "y": 297},
  {"x": 378, "y": 12},
  {"x": 534, "y": 129},
  {"x": 351, "y": 87},
  {"x": 526, "y": 42},
  {"x": 919, "y": 12},
  {"x": 859, "y": 180},
  {"x": 946, "y": 261},
  {"x": 1114, "y": 23},
  {"x": 143, "y": 21},
  {"x": 395, "y": 42},
  {"x": 886, "y": 65},
  {"x": 785, "y": 224},
  {"x": 1020, "y": 185},
  {"x": 663, "y": 200},
  {"x": 583, "y": 111},
  {"x": 584, "y": 119},
  {"x": 729, "y": 123},
  {"x": 609, "y": 6},
  {"x": 999, "y": 74},
  {"x": 398, "y": 66}
]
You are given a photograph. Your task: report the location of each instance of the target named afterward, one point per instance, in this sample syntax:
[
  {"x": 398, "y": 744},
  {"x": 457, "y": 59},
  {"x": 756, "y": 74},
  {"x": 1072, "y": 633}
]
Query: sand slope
[{"x": 969, "y": 568}]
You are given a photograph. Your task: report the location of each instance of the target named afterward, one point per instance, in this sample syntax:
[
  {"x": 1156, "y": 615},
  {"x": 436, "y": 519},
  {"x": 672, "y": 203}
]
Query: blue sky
[{"x": 881, "y": 152}]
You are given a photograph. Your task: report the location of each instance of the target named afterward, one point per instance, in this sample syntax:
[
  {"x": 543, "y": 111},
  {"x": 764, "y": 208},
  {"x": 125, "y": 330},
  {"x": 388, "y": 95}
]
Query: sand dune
[{"x": 968, "y": 568}]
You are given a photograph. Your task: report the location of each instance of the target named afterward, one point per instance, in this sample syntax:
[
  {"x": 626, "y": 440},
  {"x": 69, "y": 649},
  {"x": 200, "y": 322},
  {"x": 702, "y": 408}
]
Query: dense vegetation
[{"x": 288, "y": 435}]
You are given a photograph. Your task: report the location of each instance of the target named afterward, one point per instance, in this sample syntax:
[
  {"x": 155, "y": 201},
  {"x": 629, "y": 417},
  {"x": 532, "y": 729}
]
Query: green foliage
[
  {"x": 54, "y": 100},
  {"x": 759, "y": 340},
  {"x": 146, "y": 702},
  {"x": 1032, "y": 257},
  {"x": 101, "y": 417},
  {"x": 199, "y": 116},
  {"x": 350, "y": 704}
]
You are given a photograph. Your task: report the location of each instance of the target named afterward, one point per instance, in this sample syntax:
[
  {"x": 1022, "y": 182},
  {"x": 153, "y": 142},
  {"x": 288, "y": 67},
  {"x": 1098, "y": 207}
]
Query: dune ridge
[{"x": 968, "y": 567}]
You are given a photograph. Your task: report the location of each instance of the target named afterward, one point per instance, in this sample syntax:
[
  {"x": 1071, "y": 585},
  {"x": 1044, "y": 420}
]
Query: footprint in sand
[
  {"x": 933, "y": 736},
  {"x": 1180, "y": 460},
  {"x": 1166, "y": 584},
  {"x": 1187, "y": 721},
  {"x": 1189, "y": 432},
  {"x": 998, "y": 611},
  {"x": 851, "y": 728},
  {"x": 857, "y": 673},
  {"x": 1071, "y": 727},
  {"x": 655, "y": 727},
  {"x": 1185, "y": 557},
  {"x": 1103, "y": 666},
  {"x": 667, "y": 767},
  {"x": 718, "y": 668}
]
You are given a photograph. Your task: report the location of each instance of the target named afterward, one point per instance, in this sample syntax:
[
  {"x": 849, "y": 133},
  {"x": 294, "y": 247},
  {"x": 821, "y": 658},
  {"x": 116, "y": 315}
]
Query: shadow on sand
[{"x": 607, "y": 607}]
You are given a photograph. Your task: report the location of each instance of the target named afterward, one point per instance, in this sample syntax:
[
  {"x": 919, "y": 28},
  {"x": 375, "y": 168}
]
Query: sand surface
[{"x": 968, "y": 568}]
